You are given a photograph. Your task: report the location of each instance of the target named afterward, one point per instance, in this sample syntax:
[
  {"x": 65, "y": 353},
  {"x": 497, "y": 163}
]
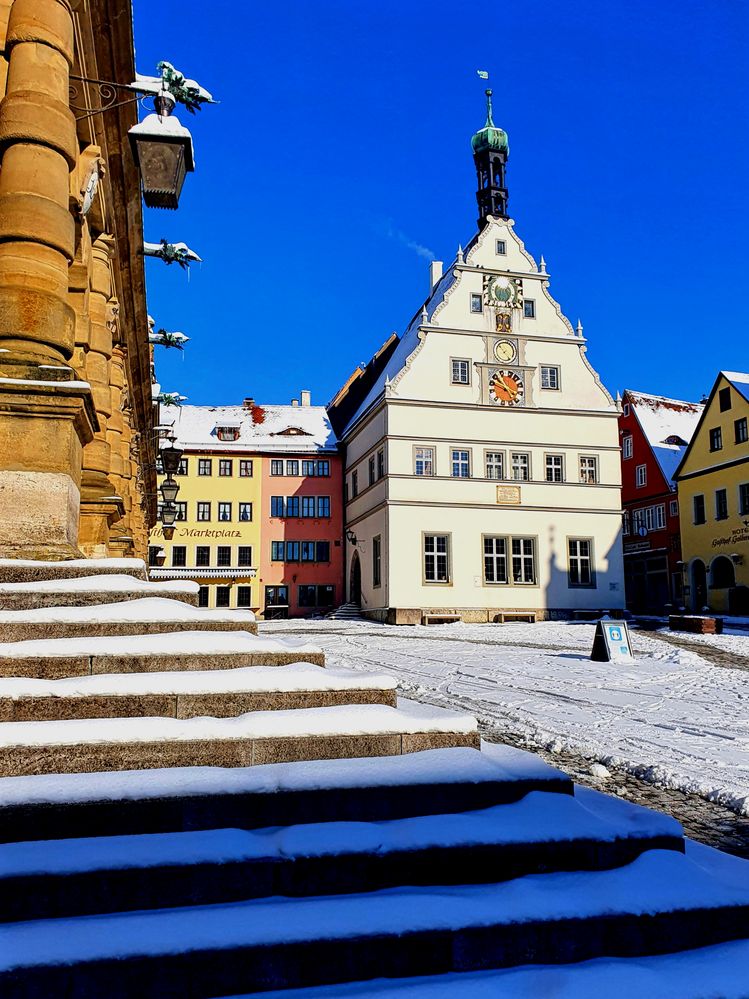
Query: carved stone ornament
[
  {"x": 503, "y": 292},
  {"x": 85, "y": 178}
]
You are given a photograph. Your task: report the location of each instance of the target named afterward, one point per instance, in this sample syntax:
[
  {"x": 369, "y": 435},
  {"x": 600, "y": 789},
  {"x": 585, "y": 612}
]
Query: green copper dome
[{"x": 490, "y": 137}]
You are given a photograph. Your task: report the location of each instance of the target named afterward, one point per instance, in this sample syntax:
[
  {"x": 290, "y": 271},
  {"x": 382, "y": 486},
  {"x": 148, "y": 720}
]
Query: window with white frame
[
  {"x": 501, "y": 247},
  {"x": 224, "y": 511},
  {"x": 477, "y": 304},
  {"x": 245, "y": 468},
  {"x": 276, "y": 506},
  {"x": 204, "y": 466},
  {"x": 495, "y": 560},
  {"x": 588, "y": 469},
  {"x": 436, "y": 558},
  {"x": 377, "y": 560},
  {"x": 276, "y": 466},
  {"x": 580, "y": 562},
  {"x": 625, "y": 409},
  {"x": 292, "y": 506},
  {"x": 627, "y": 446},
  {"x": 626, "y": 527},
  {"x": 380, "y": 463},
  {"x": 549, "y": 376},
  {"x": 554, "y": 467},
  {"x": 495, "y": 464},
  {"x": 204, "y": 511},
  {"x": 461, "y": 464},
  {"x": 354, "y": 484},
  {"x": 292, "y": 466},
  {"x": 652, "y": 518},
  {"x": 461, "y": 371},
  {"x": 521, "y": 466},
  {"x": 674, "y": 508},
  {"x": 424, "y": 461},
  {"x": 308, "y": 506},
  {"x": 371, "y": 470},
  {"x": 225, "y": 466},
  {"x": 744, "y": 499},
  {"x": 181, "y": 510},
  {"x": 245, "y": 511},
  {"x": 641, "y": 475},
  {"x": 523, "y": 561},
  {"x": 323, "y": 506}
]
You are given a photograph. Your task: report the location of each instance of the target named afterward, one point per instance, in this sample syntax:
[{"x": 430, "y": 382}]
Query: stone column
[{"x": 46, "y": 414}]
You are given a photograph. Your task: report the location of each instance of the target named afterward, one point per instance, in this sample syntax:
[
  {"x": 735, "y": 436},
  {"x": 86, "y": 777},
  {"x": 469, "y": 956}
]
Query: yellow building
[{"x": 713, "y": 487}]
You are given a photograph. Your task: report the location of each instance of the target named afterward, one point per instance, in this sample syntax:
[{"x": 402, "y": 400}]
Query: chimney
[
  {"x": 435, "y": 273},
  {"x": 294, "y": 402},
  {"x": 248, "y": 403},
  {"x": 306, "y": 397}
]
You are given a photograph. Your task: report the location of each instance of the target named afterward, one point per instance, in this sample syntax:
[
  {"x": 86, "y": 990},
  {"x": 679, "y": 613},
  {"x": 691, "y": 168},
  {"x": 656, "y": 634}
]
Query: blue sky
[{"x": 339, "y": 160}]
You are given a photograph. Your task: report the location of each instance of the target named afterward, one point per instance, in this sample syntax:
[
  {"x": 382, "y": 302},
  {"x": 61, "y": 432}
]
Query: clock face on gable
[
  {"x": 501, "y": 291},
  {"x": 505, "y": 351},
  {"x": 506, "y": 387}
]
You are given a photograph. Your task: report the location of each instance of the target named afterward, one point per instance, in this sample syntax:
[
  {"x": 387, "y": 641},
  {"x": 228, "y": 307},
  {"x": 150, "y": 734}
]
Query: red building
[{"x": 654, "y": 433}]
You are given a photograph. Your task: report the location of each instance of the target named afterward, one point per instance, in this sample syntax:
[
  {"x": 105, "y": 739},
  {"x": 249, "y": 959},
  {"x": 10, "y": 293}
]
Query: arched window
[{"x": 722, "y": 573}]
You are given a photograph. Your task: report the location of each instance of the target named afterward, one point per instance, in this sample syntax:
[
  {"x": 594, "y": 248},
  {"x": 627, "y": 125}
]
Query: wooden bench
[
  {"x": 529, "y": 617},
  {"x": 440, "y": 618}
]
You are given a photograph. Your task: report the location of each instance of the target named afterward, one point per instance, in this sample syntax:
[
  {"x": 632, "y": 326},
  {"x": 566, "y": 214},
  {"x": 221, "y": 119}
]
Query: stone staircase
[{"x": 346, "y": 612}]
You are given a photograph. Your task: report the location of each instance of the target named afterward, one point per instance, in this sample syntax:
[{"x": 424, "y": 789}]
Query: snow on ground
[{"x": 669, "y": 717}]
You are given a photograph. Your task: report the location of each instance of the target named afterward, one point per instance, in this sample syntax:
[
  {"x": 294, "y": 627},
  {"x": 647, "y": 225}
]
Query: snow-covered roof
[
  {"x": 739, "y": 380},
  {"x": 261, "y": 428},
  {"x": 668, "y": 425}
]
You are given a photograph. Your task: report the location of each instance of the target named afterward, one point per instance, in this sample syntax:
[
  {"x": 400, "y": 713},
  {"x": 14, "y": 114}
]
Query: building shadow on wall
[{"x": 565, "y": 598}]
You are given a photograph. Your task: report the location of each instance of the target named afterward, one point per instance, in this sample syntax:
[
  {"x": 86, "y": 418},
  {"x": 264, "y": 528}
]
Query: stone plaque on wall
[{"x": 508, "y": 495}]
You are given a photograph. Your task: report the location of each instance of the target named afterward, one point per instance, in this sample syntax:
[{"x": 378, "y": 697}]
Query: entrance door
[
  {"x": 276, "y": 602},
  {"x": 355, "y": 580},
  {"x": 699, "y": 585}
]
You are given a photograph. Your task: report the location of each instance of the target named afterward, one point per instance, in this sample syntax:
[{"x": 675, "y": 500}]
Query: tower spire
[{"x": 490, "y": 151}]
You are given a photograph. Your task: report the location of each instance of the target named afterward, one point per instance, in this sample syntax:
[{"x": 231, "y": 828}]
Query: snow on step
[
  {"x": 146, "y": 615},
  {"x": 185, "y": 694},
  {"x": 719, "y": 971},
  {"x": 549, "y": 918},
  {"x": 20, "y": 570},
  {"x": 82, "y": 590},
  {"x": 55, "y": 658},
  {"x": 443, "y": 780},
  {"x": 101, "y": 744},
  {"x": 542, "y": 832}
]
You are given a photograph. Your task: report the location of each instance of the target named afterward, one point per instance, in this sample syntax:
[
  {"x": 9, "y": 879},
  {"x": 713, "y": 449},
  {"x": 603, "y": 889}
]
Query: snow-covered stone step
[
  {"x": 423, "y": 783},
  {"x": 715, "y": 971},
  {"x": 191, "y": 693},
  {"x": 102, "y": 744},
  {"x": 20, "y": 570},
  {"x": 542, "y": 832},
  {"x": 144, "y": 616},
  {"x": 663, "y": 901},
  {"x": 56, "y": 658},
  {"x": 83, "y": 591}
]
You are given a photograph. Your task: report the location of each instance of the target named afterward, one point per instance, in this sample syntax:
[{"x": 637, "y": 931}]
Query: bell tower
[{"x": 490, "y": 151}]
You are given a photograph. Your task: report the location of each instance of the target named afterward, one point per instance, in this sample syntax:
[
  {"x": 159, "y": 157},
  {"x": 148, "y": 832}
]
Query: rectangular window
[
  {"x": 204, "y": 466},
  {"x": 716, "y": 439},
  {"x": 436, "y": 558},
  {"x": 225, "y": 466},
  {"x": 588, "y": 469},
  {"x": 276, "y": 551},
  {"x": 204, "y": 511},
  {"x": 323, "y": 506},
  {"x": 245, "y": 511},
  {"x": 292, "y": 551},
  {"x": 182, "y": 470},
  {"x": 495, "y": 560},
  {"x": 674, "y": 508},
  {"x": 521, "y": 469},
  {"x": 549, "y": 377},
  {"x": 652, "y": 518},
  {"x": 554, "y": 467},
  {"x": 625, "y": 409},
  {"x": 377, "y": 560},
  {"x": 292, "y": 506},
  {"x": 501, "y": 247},
  {"x": 477, "y": 304},
  {"x": 354, "y": 484},
  {"x": 276, "y": 506},
  {"x": 308, "y": 506},
  {"x": 627, "y": 447},
  {"x": 372, "y": 470},
  {"x": 153, "y": 551},
  {"x": 307, "y": 594},
  {"x": 203, "y": 596},
  {"x": 244, "y": 596},
  {"x": 721, "y": 504},
  {"x": 276, "y": 467},
  {"x": 580, "y": 565},
  {"x": 322, "y": 467},
  {"x": 223, "y": 596},
  {"x": 625, "y": 523},
  {"x": 641, "y": 475},
  {"x": 292, "y": 466},
  {"x": 245, "y": 468},
  {"x": 203, "y": 555},
  {"x": 724, "y": 399},
  {"x": 523, "y": 561},
  {"x": 529, "y": 308},
  {"x": 380, "y": 463},
  {"x": 223, "y": 556},
  {"x": 179, "y": 556},
  {"x": 744, "y": 499},
  {"x": 461, "y": 464},
  {"x": 308, "y": 467},
  {"x": 698, "y": 505},
  {"x": 244, "y": 555},
  {"x": 224, "y": 511},
  {"x": 181, "y": 510},
  {"x": 308, "y": 551},
  {"x": 495, "y": 465},
  {"x": 741, "y": 430},
  {"x": 424, "y": 461},
  {"x": 461, "y": 372},
  {"x": 322, "y": 553}
]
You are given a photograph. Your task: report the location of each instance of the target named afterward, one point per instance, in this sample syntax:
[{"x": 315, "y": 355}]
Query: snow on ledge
[
  {"x": 142, "y": 609},
  {"x": 75, "y": 563},
  {"x": 111, "y": 583}
]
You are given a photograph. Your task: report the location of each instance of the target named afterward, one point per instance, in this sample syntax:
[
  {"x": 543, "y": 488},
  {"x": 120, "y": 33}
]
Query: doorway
[
  {"x": 355, "y": 580},
  {"x": 276, "y": 602},
  {"x": 699, "y": 585}
]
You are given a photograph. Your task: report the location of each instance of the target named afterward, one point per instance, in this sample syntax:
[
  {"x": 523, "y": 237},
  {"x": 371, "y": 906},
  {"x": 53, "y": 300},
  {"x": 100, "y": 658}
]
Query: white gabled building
[{"x": 483, "y": 458}]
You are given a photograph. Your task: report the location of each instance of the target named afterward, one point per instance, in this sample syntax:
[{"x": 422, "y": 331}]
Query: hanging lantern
[
  {"x": 162, "y": 149},
  {"x": 169, "y": 490}
]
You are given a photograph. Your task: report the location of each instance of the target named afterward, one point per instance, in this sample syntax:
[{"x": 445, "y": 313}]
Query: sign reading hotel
[
  {"x": 508, "y": 495},
  {"x": 738, "y": 536}
]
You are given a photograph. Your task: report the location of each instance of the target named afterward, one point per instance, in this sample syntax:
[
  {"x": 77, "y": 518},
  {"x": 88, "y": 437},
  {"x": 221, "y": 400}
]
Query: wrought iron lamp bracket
[{"x": 108, "y": 94}]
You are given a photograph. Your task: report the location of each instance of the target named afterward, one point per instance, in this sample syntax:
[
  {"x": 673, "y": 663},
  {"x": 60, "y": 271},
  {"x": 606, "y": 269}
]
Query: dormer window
[
  {"x": 675, "y": 440},
  {"x": 228, "y": 430}
]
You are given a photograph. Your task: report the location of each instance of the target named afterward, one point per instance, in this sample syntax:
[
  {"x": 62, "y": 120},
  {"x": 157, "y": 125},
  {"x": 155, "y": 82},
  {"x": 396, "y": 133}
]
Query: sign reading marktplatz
[{"x": 611, "y": 642}]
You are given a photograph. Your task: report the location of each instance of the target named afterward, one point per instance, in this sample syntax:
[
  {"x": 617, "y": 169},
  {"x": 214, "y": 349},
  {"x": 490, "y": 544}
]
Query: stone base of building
[
  {"x": 39, "y": 515},
  {"x": 482, "y": 615}
]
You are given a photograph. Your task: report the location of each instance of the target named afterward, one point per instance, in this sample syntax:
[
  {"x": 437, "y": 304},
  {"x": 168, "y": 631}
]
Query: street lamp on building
[
  {"x": 171, "y": 457},
  {"x": 169, "y": 490},
  {"x": 162, "y": 149},
  {"x": 168, "y": 514},
  {"x": 351, "y": 537}
]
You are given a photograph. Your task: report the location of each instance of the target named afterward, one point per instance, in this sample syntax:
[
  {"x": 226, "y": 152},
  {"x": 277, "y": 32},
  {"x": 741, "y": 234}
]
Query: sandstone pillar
[{"x": 46, "y": 414}]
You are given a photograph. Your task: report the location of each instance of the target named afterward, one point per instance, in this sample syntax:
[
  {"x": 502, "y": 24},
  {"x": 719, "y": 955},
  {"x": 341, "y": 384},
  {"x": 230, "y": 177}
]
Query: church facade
[{"x": 483, "y": 460}]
